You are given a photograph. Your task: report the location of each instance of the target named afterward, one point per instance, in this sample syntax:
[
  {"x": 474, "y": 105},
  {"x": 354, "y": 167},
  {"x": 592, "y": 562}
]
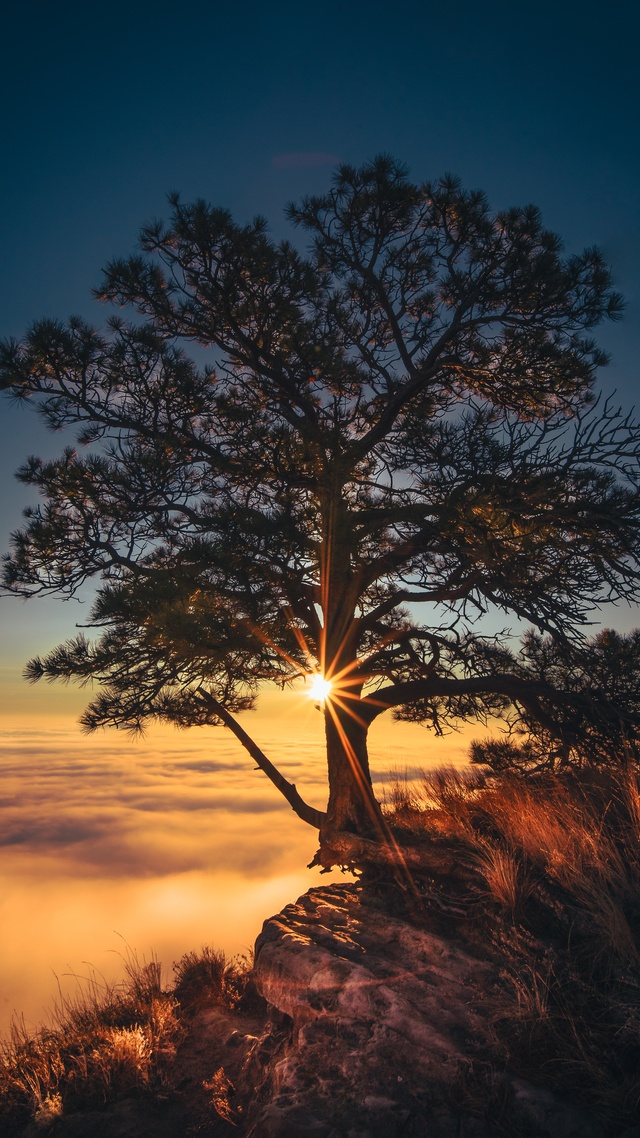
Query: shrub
[
  {"x": 106, "y": 1041},
  {"x": 207, "y": 977}
]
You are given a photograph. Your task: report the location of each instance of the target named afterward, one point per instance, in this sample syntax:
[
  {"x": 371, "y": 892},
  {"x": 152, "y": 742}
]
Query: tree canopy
[{"x": 393, "y": 433}]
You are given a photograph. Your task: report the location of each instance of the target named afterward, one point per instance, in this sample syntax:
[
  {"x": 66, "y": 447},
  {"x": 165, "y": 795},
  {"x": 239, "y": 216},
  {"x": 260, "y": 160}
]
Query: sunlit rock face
[{"x": 389, "y": 1025}]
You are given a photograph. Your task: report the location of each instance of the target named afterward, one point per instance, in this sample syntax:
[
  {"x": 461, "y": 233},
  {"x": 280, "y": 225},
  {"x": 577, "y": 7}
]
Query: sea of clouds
[{"x": 161, "y": 844}]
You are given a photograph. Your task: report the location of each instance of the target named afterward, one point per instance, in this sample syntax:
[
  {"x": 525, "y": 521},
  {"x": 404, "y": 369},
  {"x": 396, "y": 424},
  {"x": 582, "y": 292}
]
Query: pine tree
[{"x": 394, "y": 434}]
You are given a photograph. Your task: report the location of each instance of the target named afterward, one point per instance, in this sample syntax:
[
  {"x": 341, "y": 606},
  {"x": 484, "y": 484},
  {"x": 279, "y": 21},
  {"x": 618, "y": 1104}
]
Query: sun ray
[{"x": 341, "y": 690}]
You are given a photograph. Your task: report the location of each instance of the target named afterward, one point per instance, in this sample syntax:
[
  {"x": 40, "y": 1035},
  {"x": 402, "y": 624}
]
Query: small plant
[
  {"x": 203, "y": 977},
  {"x": 107, "y": 1041},
  {"x": 220, "y": 1088},
  {"x": 209, "y": 977},
  {"x": 48, "y": 1110}
]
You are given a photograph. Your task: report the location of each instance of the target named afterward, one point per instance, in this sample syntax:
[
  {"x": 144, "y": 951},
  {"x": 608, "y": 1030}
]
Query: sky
[{"x": 107, "y": 108}]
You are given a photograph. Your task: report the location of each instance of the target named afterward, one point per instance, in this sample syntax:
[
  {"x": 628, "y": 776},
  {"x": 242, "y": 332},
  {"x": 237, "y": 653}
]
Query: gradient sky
[{"x": 105, "y": 109}]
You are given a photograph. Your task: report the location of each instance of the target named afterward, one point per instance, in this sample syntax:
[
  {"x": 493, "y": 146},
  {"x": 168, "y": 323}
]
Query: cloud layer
[{"x": 169, "y": 842}]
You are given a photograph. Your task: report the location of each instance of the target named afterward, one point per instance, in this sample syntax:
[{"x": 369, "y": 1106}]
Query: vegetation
[
  {"x": 110, "y": 1043},
  {"x": 391, "y": 436},
  {"x": 540, "y": 876},
  {"x": 596, "y": 724},
  {"x": 543, "y": 876}
]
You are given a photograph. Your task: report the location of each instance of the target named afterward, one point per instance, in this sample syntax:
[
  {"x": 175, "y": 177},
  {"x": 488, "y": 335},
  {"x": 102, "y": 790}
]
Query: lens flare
[{"x": 320, "y": 688}]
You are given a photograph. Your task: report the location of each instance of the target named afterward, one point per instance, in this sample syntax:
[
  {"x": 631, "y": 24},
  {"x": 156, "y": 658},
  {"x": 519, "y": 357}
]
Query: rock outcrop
[
  {"x": 365, "y": 1024},
  {"x": 385, "y": 1030}
]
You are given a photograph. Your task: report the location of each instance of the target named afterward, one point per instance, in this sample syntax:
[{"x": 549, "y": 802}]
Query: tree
[
  {"x": 393, "y": 435},
  {"x": 596, "y": 721}
]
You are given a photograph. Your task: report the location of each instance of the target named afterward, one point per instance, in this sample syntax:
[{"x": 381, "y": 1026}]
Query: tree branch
[
  {"x": 526, "y": 692},
  {"x": 307, "y": 813}
]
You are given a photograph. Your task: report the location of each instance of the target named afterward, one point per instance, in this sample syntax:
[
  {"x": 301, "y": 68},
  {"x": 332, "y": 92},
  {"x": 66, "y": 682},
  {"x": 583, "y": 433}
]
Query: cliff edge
[
  {"x": 390, "y": 1032},
  {"x": 481, "y": 979}
]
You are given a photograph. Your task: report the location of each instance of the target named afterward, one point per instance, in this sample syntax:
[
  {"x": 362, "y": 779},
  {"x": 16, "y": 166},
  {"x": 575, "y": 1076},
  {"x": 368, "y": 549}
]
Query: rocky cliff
[
  {"x": 383, "y": 1029},
  {"x": 364, "y": 1019},
  {"x": 481, "y": 980}
]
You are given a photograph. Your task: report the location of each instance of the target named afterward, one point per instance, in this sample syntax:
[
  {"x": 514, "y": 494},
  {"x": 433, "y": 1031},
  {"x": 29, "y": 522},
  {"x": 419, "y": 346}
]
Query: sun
[{"x": 320, "y": 688}]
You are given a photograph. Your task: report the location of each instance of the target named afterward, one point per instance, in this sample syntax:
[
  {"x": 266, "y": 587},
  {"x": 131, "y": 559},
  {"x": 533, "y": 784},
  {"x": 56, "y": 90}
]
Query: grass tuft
[
  {"x": 108, "y": 1041},
  {"x": 546, "y": 874},
  {"x": 208, "y": 976}
]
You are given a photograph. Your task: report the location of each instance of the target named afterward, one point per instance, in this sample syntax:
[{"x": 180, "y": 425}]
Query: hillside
[{"x": 482, "y": 978}]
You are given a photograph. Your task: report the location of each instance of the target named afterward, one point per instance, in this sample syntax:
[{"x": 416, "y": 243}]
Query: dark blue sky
[{"x": 106, "y": 107}]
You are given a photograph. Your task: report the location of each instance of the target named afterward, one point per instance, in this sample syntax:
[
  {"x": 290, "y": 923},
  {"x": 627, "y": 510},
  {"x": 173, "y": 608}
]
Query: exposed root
[{"x": 353, "y": 853}]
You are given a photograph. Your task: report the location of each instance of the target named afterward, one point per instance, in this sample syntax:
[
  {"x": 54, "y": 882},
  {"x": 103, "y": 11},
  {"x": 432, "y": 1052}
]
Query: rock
[
  {"x": 385, "y": 1022},
  {"x": 541, "y": 1111}
]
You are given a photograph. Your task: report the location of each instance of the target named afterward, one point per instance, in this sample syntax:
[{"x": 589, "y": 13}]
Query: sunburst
[{"x": 320, "y": 688}]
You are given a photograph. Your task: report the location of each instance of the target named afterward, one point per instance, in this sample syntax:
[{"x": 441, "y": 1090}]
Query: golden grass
[
  {"x": 507, "y": 880},
  {"x": 547, "y": 874},
  {"x": 578, "y": 835},
  {"x": 110, "y": 1041},
  {"x": 106, "y": 1040},
  {"x": 205, "y": 976},
  {"x": 220, "y": 1089}
]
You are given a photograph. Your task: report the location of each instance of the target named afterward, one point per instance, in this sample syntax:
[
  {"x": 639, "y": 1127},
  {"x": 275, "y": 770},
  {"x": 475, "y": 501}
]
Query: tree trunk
[{"x": 352, "y": 806}]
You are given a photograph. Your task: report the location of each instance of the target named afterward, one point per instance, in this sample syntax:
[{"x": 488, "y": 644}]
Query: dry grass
[
  {"x": 548, "y": 873},
  {"x": 111, "y": 1041},
  {"x": 106, "y": 1041},
  {"x": 206, "y": 976},
  {"x": 508, "y": 881},
  {"x": 220, "y": 1089},
  {"x": 575, "y": 838}
]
